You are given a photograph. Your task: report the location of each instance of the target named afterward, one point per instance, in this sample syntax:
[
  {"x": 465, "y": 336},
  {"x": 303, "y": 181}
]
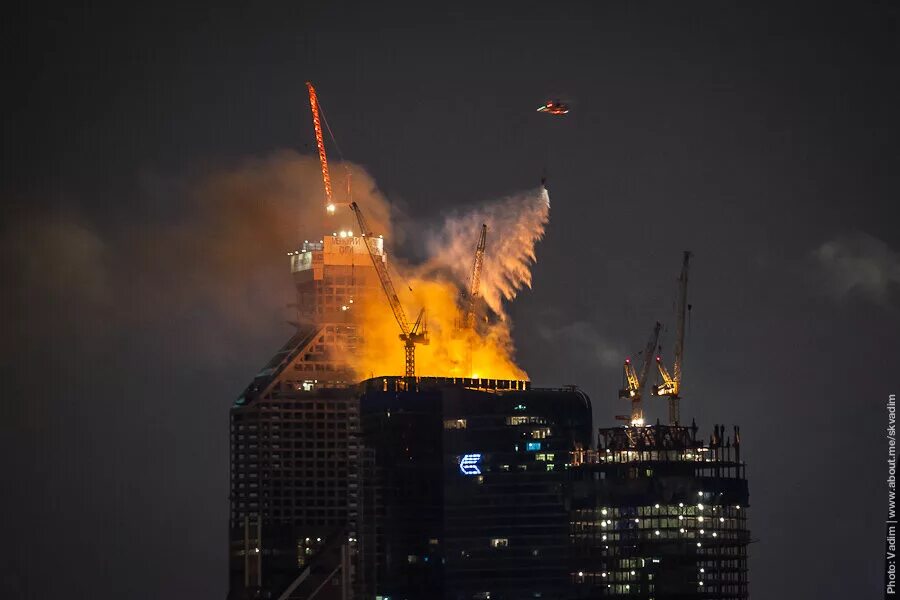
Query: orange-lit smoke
[
  {"x": 215, "y": 272},
  {"x": 515, "y": 224}
]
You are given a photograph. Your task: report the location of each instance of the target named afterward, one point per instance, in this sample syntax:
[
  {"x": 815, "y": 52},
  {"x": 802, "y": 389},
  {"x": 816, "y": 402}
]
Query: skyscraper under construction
[
  {"x": 465, "y": 489},
  {"x": 459, "y": 487},
  {"x": 456, "y": 487},
  {"x": 295, "y": 451}
]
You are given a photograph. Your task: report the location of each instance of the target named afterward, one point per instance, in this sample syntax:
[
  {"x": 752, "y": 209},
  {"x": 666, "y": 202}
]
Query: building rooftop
[
  {"x": 278, "y": 363},
  {"x": 398, "y": 383}
]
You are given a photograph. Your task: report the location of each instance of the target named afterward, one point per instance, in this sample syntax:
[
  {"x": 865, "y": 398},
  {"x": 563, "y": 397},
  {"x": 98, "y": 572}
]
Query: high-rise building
[
  {"x": 506, "y": 513},
  {"x": 295, "y": 454},
  {"x": 401, "y": 429},
  {"x": 658, "y": 513},
  {"x": 470, "y": 479},
  {"x": 458, "y": 488},
  {"x": 294, "y": 477},
  {"x": 333, "y": 279}
]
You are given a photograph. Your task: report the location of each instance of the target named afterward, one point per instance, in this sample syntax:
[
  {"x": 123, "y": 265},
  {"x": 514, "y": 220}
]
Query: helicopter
[{"x": 554, "y": 107}]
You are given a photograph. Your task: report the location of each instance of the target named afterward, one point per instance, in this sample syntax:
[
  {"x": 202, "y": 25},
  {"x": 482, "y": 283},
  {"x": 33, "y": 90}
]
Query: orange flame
[{"x": 515, "y": 225}]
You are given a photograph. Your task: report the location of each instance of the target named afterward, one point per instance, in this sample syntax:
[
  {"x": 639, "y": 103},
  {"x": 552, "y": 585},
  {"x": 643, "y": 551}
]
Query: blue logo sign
[
  {"x": 532, "y": 446},
  {"x": 468, "y": 464}
]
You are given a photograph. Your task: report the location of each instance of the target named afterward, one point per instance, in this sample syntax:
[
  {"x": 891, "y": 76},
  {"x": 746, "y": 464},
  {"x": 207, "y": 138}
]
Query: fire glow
[{"x": 515, "y": 225}]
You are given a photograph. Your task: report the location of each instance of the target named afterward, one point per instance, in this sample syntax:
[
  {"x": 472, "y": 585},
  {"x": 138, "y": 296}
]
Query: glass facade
[{"x": 507, "y": 526}]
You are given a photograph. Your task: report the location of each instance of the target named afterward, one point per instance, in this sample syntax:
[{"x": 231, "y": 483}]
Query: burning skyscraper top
[
  {"x": 457, "y": 292},
  {"x": 304, "y": 480},
  {"x": 453, "y": 477},
  {"x": 339, "y": 292}
]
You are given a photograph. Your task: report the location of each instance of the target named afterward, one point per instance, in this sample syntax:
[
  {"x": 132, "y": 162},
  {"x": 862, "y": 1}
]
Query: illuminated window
[
  {"x": 524, "y": 420},
  {"x": 533, "y": 446},
  {"x": 499, "y": 542},
  {"x": 455, "y": 424}
]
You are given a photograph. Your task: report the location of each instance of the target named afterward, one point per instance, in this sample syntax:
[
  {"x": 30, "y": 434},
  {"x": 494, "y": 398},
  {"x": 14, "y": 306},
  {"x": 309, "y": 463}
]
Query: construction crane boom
[
  {"x": 671, "y": 383},
  {"x": 465, "y": 324},
  {"x": 634, "y": 382},
  {"x": 409, "y": 335},
  {"x": 320, "y": 145},
  {"x": 475, "y": 279},
  {"x": 682, "y": 308},
  {"x": 381, "y": 268},
  {"x": 649, "y": 351}
]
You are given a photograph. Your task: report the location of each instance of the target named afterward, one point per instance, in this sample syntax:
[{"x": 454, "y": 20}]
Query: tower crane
[
  {"x": 320, "y": 145},
  {"x": 475, "y": 280},
  {"x": 410, "y": 336},
  {"x": 671, "y": 383},
  {"x": 466, "y": 323},
  {"x": 634, "y": 381}
]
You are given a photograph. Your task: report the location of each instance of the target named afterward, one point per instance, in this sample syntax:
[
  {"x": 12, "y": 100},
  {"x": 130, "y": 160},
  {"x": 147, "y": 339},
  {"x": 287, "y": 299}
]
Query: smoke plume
[
  {"x": 210, "y": 281},
  {"x": 207, "y": 280},
  {"x": 515, "y": 225}
]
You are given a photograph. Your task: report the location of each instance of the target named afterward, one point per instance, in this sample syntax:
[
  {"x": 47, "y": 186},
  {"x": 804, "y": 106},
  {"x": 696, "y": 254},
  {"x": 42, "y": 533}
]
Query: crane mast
[
  {"x": 671, "y": 383},
  {"x": 320, "y": 145},
  {"x": 682, "y": 308},
  {"x": 465, "y": 325},
  {"x": 410, "y": 336},
  {"x": 634, "y": 382},
  {"x": 475, "y": 279}
]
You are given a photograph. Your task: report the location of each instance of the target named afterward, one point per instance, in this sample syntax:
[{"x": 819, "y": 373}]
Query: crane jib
[
  {"x": 320, "y": 141},
  {"x": 383, "y": 276}
]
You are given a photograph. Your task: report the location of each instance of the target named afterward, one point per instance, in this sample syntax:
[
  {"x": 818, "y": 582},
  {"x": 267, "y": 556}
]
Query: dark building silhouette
[
  {"x": 296, "y": 462},
  {"x": 658, "y": 513},
  {"x": 463, "y": 489},
  {"x": 294, "y": 479},
  {"x": 506, "y": 514},
  {"x": 471, "y": 486},
  {"x": 401, "y": 428},
  {"x": 473, "y": 489},
  {"x": 380, "y": 470}
]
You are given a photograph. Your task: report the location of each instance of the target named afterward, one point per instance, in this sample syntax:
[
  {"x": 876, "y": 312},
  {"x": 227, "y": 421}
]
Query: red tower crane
[{"x": 320, "y": 145}]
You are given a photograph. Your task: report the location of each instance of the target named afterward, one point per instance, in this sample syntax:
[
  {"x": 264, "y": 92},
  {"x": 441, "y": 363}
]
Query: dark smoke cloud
[
  {"x": 125, "y": 340},
  {"x": 217, "y": 268},
  {"x": 54, "y": 263}
]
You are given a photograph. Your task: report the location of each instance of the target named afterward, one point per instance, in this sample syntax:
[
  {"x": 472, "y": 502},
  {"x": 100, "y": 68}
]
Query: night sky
[{"x": 142, "y": 288}]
